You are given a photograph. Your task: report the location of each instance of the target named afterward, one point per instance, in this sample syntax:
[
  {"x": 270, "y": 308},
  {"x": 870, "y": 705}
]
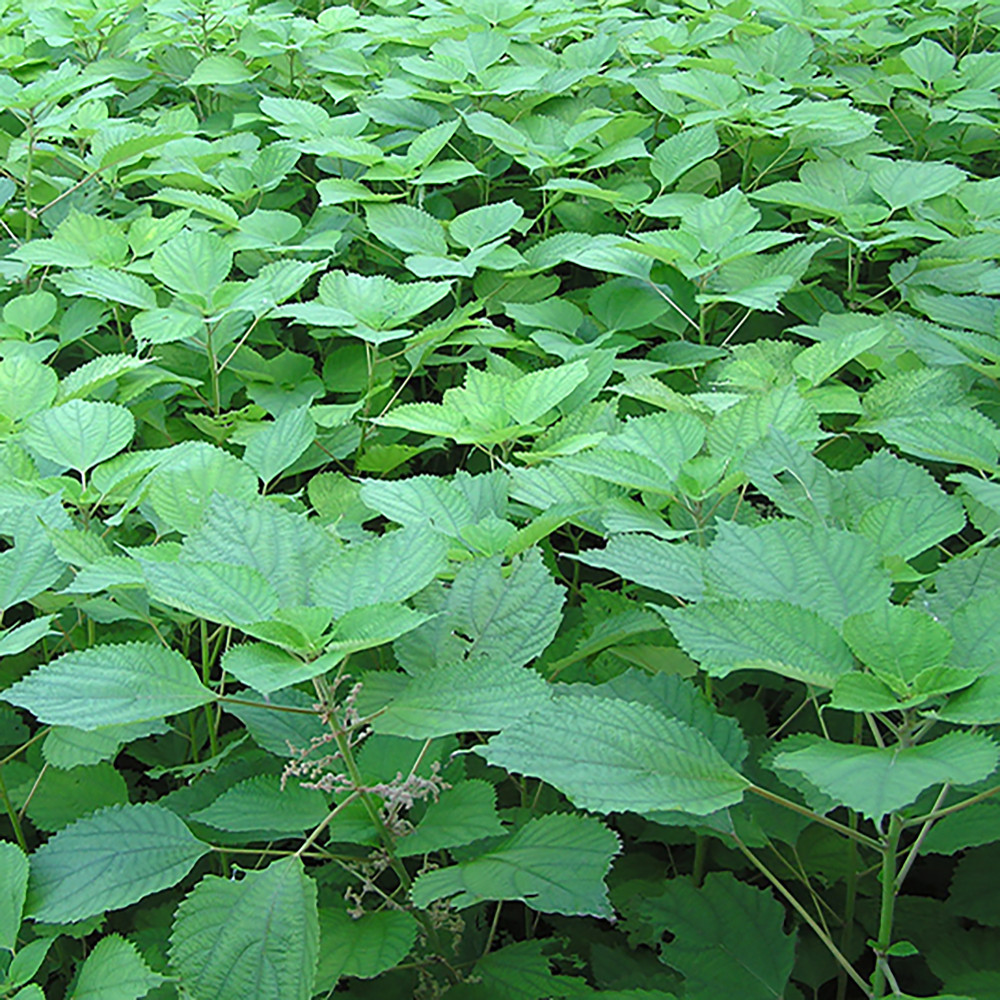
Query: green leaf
[
  {"x": 282, "y": 546},
  {"x": 277, "y": 445},
  {"x": 834, "y": 573},
  {"x": 193, "y": 264},
  {"x": 555, "y": 864},
  {"x": 897, "y": 643},
  {"x": 108, "y": 685},
  {"x": 490, "y": 616},
  {"x": 66, "y": 747},
  {"x": 727, "y": 938},
  {"x": 818, "y": 362},
  {"x": 26, "y": 386},
  {"x": 80, "y": 434},
  {"x": 224, "y": 950},
  {"x": 100, "y": 371},
  {"x": 27, "y": 569},
  {"x": 233, "y": 595},
  {"x": 218, "y": 69},
  {"x": 901, "y": 183},
  {"x": 876, "y": 780},
  {"x": 60, "y": 797},
  {"x": 260, "y": 804},
  {"x": 114, "y": 970},
  {"x": 906, "y": 526},
  {"x": 384, "y": 570},
  {"x": 267, "y": 668},
  {"x": 768, "y": 635},
  {"x": 104, "y": 284},
  {"x": 482, "y": 225},
  {"x": 108, "y": 860},
  {"x": 32, "y": 312},
  {"x": 617, "y": 756},
  {"x": 480, "y": 694},
  {"x": 672, "y": 568},
  {"x": 408, "y": 229},
  {"x": 976, "y": 705},
  {"x": 464, "y": 814},
  {"x": 376, "y": 303},
  {"x": 364, "y": 946},
  {"x": 678, "y": 154},
  {"x": 165, "y": 326},
  {"x": 973, "y": 627},
  {"x": 13, "y": 887}
]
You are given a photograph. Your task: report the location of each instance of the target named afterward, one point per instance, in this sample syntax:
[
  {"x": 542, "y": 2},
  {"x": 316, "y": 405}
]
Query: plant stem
[
  {"x": 887, "y": 909},
  {"x": 948, "y": 810},
  {"x": 206, "y": 671},
  {"x": 314, "y": 836},
  {"x": 12, "y": 813},
  {"x": 861, "y": 838}
]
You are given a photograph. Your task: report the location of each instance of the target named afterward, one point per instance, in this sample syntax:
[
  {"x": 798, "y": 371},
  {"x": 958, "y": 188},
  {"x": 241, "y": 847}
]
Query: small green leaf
[
  {"x": 114, "y": 970},
  {"x": 257, "y": 936},
  {"x": 80, "y": 434},
  {"x": 13, "y": 888},
  {"x": 26, "y": 386},
  {"x": 260, "y": 804},
  {"x": 555, "y": 864},
  {"x": 278, "y": 444},
  {"x": 481, "y": 694},
  {"x": 463, "y": 814},
  {"x": 193, "y": 264},
  {"x": 108, "y": 860},
  {"x": 218, "y": 69},
  {"x": 362, "y": 946}
]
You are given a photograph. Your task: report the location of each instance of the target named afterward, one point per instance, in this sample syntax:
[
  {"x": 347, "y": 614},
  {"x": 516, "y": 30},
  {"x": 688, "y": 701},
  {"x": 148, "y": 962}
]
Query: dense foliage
[{"x": 496, "y": 499}]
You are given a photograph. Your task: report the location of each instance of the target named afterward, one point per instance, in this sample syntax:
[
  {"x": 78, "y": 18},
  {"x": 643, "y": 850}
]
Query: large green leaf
[
  {"x": 617, "y": 756},
  {"x": 726, "y": 937},
  {"x": 108, "y": 860},
  {"x": 109, "y": 685},
  {"x": 555, "y": 864},
  {"x": 179, "y": 490},
  {"x": 283, "y": 546},
  {"x": 834, "y": 573},
  {"x": 390, "y": 568},
  {"x": 221, "y": 592},
  {"x": 490, "y": 615},
  {"x": 795, "y": 642},
  {"x": 114, "y": 970},
  {"x": 877, "y": 780},
  {"x": 255, "y": 936}
]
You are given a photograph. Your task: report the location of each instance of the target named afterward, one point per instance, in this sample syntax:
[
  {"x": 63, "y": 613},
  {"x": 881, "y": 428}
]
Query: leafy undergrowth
[{"x": 497, "y": 500}]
